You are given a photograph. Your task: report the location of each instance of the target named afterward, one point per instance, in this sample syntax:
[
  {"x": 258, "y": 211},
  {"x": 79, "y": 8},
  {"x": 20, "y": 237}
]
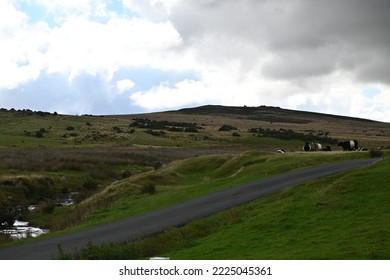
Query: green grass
[
  {"x": 186, "y": 179},
  {"x": 344, "y": 216},
  {"x": 196, "y": 164}
]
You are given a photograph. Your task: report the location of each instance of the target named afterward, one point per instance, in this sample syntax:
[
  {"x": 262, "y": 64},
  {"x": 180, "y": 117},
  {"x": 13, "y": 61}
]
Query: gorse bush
[
  {"x": 165, "y": 125},
  {"x": 227, "y": 127},
  {"x": 289, "y": 134}
]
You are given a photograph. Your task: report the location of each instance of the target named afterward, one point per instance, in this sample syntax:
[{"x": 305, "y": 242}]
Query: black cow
[{"x": 350, "y": 145}]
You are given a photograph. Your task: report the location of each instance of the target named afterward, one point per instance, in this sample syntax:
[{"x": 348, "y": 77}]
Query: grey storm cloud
[{"x": 306, "y": 38}]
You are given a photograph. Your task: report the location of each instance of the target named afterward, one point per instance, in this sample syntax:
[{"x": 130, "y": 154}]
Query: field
[{"x": 121, "y": 166}]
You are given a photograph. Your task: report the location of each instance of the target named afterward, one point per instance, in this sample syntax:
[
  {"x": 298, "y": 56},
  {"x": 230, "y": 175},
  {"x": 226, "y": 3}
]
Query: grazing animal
[
  {"x": 307, "y": 147},
  {"x": 312, "y": 147},
  {"x": 350, "y": 145}
]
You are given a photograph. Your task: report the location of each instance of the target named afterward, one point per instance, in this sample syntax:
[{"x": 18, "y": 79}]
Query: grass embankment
[
  {"x": 184, "y": 180},
  {"x": 338, "y": 217}
]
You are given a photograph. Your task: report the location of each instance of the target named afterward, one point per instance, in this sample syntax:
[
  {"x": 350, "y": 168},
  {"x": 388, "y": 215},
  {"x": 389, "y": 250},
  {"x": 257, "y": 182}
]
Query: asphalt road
[{"x": 173, "y": 216}]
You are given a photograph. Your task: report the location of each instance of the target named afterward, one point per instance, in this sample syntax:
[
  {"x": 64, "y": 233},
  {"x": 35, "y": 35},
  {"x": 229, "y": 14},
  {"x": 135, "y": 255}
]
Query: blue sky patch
[
  {"x": 371, "y": 92},
  {"x": 36, "y": 13},
  {"x": 147, "y": 78}
]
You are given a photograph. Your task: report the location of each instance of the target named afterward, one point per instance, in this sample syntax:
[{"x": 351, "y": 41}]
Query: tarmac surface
[{"x": 173, "y": 216}]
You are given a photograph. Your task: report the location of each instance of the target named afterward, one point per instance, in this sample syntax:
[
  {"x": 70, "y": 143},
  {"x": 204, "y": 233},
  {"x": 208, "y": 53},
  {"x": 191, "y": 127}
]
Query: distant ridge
[{"x": 265, "y": 113}]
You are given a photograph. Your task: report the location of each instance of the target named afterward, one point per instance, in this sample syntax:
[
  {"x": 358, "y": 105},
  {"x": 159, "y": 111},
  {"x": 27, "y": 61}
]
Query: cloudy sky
[{"x": 131, "y": 56}]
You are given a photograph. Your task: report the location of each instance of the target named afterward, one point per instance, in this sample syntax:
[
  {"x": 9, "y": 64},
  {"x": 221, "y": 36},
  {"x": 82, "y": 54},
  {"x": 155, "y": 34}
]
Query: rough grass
[
  {"x": 344, "y": 216},
  {"x": 184, "y": 180},
  {"x": 19, "y": 129}
]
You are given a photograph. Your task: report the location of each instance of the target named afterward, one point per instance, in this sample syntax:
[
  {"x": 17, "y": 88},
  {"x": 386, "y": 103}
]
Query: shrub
[
  {"x": 117, "y": 129},
  {"x": 155, "y": 132},
  {"x": 47, "y": 207},
  {"x": 191, "y": 129},
  {"x": 7, "y": 215},
  {"x": 125, "y": 174},
  {"x": 90, "y": 184},
  {"x": 148, "y": 189},
  {"x": 376, "y": 153},
  {"x": 227, "y": 127},
  {"x": 70, "y": 127},
  {"x": 39, "y": 133},
  {"x": 5, "y": 238}
]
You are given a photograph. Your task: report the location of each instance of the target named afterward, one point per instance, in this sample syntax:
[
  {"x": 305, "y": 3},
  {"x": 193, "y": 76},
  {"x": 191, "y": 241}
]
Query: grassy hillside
[
  {"x": 186, "y": 179},
  {"x": 197, "y": 127},
  {"x": 121, "y": 166},
  {"x": 344, "y": 216}
]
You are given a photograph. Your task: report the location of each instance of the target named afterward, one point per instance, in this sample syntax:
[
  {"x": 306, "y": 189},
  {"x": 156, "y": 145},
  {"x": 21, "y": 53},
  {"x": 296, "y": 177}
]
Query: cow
[
  {"x": 312, "y": 147},
  {"x": 351, "y": 145}
]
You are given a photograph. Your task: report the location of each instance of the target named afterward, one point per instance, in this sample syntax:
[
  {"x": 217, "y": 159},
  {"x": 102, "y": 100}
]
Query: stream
[{"x": 21, "y": 230}]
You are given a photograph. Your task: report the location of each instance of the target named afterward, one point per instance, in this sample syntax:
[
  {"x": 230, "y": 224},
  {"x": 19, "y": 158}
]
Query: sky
[{"x": 134, "y": 56}]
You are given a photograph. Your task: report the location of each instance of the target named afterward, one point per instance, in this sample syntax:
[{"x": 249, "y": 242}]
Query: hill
[
  {"x": 274, "y": 118},
  {"x": 124, "y": 165},
  {"x": 192, "y": 127}
]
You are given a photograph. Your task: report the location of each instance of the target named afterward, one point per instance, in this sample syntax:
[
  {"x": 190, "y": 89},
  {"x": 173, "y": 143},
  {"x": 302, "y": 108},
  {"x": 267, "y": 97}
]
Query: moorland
[{"x": 113, "y": 167}]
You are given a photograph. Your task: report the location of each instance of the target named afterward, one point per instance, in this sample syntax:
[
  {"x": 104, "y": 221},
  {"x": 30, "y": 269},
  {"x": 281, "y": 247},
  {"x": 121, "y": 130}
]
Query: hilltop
[{"x": 275, "y": 118}]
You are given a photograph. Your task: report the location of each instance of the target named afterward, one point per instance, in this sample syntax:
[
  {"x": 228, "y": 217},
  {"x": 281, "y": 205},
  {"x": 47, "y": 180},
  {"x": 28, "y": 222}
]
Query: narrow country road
[{"x": 174, "y": 216}]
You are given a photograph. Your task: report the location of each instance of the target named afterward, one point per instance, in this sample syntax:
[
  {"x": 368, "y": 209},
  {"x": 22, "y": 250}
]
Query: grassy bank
[
  {"x": 344, "y": 216},
  {"x": 185, "y": 179}
]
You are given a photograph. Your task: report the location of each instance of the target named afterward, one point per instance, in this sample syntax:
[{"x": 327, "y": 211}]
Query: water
[{"x": 21, "y": 230}]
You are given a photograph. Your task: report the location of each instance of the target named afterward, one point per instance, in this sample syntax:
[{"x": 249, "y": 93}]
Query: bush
[
  {"x": 191, "y": 129},
  {"x": 90, "y": 184},
  {"x": 70, "y": 127},
  {"x": 148, "y": 189},
  {"x": 155, "y": 132},
  {"x": 47, "y": 207},
  {"x": 10, "y": 210},
  {"x": 227, "y": 127},
  {"x": 376, "y": 153},
  {"x": 38, "y": 134},
  {"x": 7, "y": 217},
  {"x": 125, "y": 174},
  {"x": 117, "y": 129}
]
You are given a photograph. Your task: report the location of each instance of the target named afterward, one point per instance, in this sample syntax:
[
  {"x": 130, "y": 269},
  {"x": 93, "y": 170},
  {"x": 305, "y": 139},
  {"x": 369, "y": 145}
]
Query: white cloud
[
  {"x": 124, "y": 85},
  {"x": 155, "y": 10},
  {"x": 63, "y": 10},
  {"x": 81, "y": 46},
  {"x": 22, "y": 48},
  {"x": 10, "y": 18}
]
